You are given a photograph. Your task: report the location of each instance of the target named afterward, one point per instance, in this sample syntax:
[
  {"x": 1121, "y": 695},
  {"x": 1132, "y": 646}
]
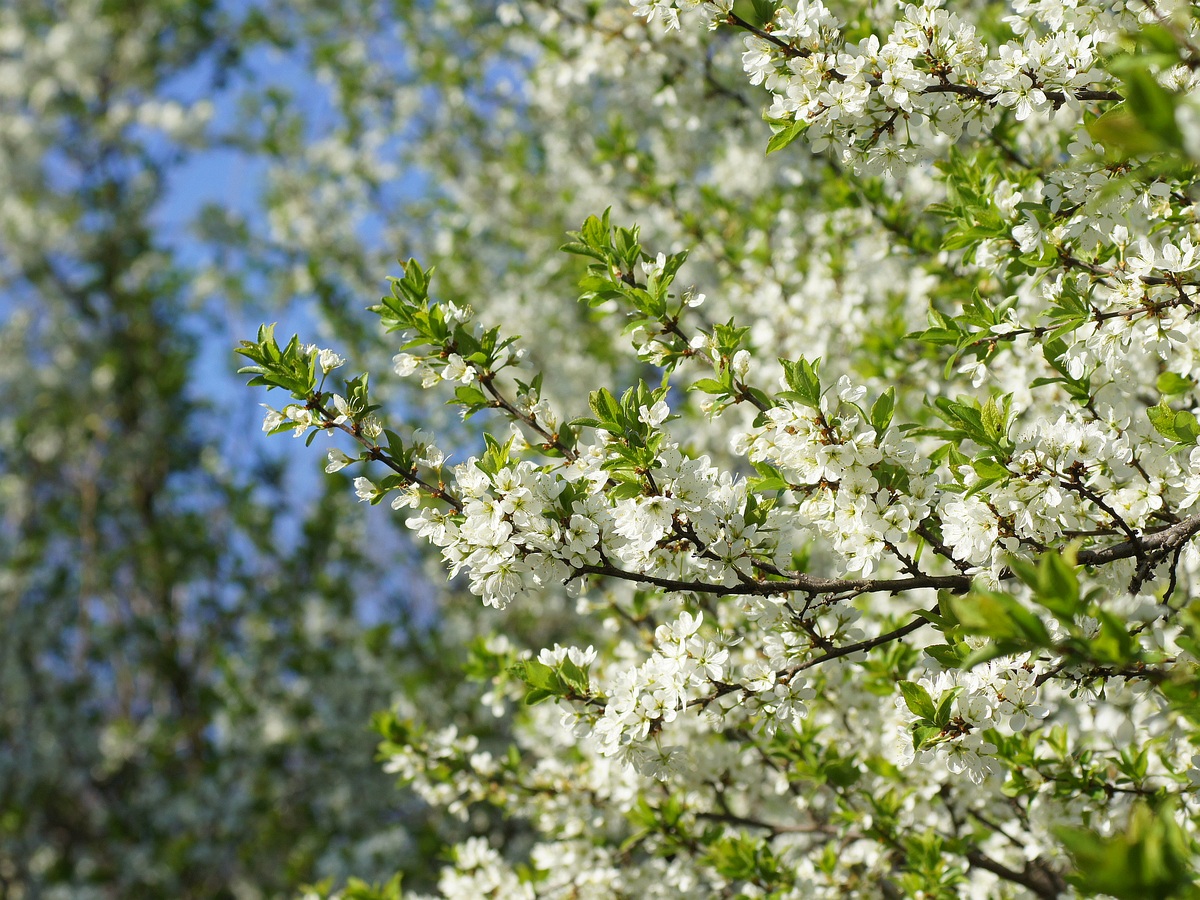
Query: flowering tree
[{"x": 874, "y": 561}]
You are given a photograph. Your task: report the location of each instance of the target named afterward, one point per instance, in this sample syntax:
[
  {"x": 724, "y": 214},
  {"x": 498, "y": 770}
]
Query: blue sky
[{"x": 235, "y": 180}]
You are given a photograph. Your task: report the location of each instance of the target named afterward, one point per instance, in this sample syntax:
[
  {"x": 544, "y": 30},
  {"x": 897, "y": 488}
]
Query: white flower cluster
[
  {"x": 1070, "y": 478},
  {"x": 643, "y": 699},
  {"x": 516, "y": 533},
  {"x": 479, "y": 871},
  {"x": 473, "y": 770},
  {"x": 893, "y": 102},
  {"x": 991, "y": 696},
  {"x": 668, "y": 10},
  {"x": 832, "y": 460}
]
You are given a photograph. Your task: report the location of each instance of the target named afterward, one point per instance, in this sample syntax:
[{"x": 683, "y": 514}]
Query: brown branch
[
  {"x": 869, "y": 644},
  {"x": 943, "y": 86},
  {"x": 1037, "y": 876},
  {"x": 788, "y": 50},
  {"x": 1162, "y": 543},
  {"x": 1058, "y": 98},
  {"x": 1157, "y": 543},
  {"x": 808, "y": 584},
  {"x": 775, "y": 829},
  {"x": 377, "y": 453},
  {"x": 1097, "y": 316},
  {"x": 487, "y": 379}
]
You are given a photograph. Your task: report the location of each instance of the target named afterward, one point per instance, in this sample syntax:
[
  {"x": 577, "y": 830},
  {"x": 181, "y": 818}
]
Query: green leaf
[
  {"x": 994, "y": 418},
  {"x": 786, "y": 135},
  {"x": 596, "y": 233},
  {"x": 709, "y": 386},
  {"x": 741, "y": 857},
  {"x": 1150, "y": 860},
  {"x": 918, "y": 701},
  {"x": 989, "y": 470},
  {"x": 604, "y": 406},
  {"x": 882, "y": 409},
  {"x": 1150, "y": 102},
  {"x": 575, "y": 677},
  {"x": 949, "y": 655},
  {"x": 922, "y": 735},
  {"x": 769, "y": 479},
  {"x": 470, "y": 396},
  {"x": 580, "y": 249},
  {"x": 1119, "y": 130},
  {"x": 945, "y": 706},
  {"x": 1180, "y": 426},
  {"x": 1054, "y": 580},
  {"x": 1058, "y": 584},
  {"x": 1114, "y": 643},
  {"x": 1157, "y": 37},
  {"x": 804, "y": 380},
  {"x": 1172, "y": 384},
  {"x": 1000, "y": 617},
  {"x": 764, "y": 12}
]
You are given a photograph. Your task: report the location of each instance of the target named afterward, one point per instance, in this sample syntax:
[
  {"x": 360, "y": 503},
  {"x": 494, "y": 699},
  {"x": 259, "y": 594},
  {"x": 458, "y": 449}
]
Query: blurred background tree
[{"x": 193, "y": 637}]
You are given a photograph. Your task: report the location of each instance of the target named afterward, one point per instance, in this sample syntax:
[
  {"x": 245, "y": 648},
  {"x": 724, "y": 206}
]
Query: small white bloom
[
  {"x": 741, "y": 364},
  {"x": 302, "y": 418},
  {"x": 365, "y": 488},
  {"x": 404, "y": 364},
  {"x": 371, "y": 427},
  {"x": 330, "y": 361},
  {"x": 758, "y": 676},
  {"x": 337, "y": 461},
  {"x": 654, "y": 415},
  {"x": 408, "y": 497},
  {"x": 458, "y": 369},
  {"x": 654, "y": 267},
  {"x": 272, "y": 420},
  {"x": 848, "y": 392}
]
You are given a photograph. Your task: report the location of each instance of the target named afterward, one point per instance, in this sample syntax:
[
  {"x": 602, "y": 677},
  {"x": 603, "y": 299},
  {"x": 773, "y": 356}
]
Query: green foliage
[
  {"x": 1054, "y": 580},
  {"x": 1150, "y": 859},
  {"x": 970, "y": 206},
  {"x": 973, "y": 333},
  {"x": 746, "y": 859},
  {"x": 565, "y": 680},
  {"x": 1145, "y": 122},
  {"x": 786, "y": 132},
  {"x": 1012, "y": 627},
  {"x": 356, "y": 889},
  {"x": 927, "y": 872},
  {"x": 292, "y": 368},
  {"x": 934, "y": 721},
  {"x": 1180, "y": 425},
  {"x": 803, "y": 381}
]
